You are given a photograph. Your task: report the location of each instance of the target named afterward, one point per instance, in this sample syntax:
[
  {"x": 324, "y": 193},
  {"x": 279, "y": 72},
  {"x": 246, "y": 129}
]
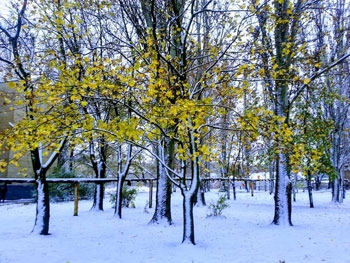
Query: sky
[
  {"x": 4, "y": 8},
  {"x": 242, "y": 234}
]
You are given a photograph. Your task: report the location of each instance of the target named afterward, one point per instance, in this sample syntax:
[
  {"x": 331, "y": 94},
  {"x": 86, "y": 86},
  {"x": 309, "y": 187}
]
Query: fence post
[
  {"x": 76, "y": 200},
  {"x": 150, "y": 193},
  {"x": 251, "y": 186}
]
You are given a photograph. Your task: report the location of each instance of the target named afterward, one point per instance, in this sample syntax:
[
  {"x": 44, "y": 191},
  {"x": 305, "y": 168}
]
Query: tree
[
  {"x": 336, "y": 88},
  {"x": 279, "y": 34},
  {"x": 87, "y": 59},
  {"x": 20, "y": 136},
  {"x": 284, "y": 59},
  {"x": 182, "y": 66}
]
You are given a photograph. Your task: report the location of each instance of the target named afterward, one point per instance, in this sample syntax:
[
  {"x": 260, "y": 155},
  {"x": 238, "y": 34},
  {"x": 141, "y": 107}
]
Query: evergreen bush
[{"x": 65, "y": 191}]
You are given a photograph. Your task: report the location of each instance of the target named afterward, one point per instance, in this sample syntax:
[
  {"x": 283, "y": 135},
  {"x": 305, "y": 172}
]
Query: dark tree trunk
[
  {"x": 200, "y": 199},
  {"x": 162, "y": 210},
  {"x": 119, "y": 197},
  {"x": 309, "y": 189},
  {"x": 123, "y": 169},
  {"x": 317, "y": 182},
  {"x": 228, "y": 189},
  {"x": 234, "y": 188},
  {"x": 42, "y": 218},
  {"x": 99, "y": 167},
  {"x": 188, "y": 231},
  {"x": 100, "y": 171},
  {"x": 189, "y": 196},
  {"x": 98, "y": 197}
]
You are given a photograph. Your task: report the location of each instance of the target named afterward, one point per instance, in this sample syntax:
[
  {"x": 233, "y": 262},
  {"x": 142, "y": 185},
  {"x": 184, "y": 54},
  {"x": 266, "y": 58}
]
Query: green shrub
[
  {"x": 128, "y": 197},
  {"x": 65, "y": 191},
  {"x": 216, "y": 208}
]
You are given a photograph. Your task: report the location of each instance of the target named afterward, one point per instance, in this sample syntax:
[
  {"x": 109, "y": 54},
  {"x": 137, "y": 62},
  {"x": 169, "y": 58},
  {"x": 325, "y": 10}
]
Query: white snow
[{"x": 243, "y": 234}]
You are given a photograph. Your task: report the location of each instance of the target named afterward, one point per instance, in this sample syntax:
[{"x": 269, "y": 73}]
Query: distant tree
[
  {"x": 283, "y": 58},
  {"x": 333, "y": 46}
]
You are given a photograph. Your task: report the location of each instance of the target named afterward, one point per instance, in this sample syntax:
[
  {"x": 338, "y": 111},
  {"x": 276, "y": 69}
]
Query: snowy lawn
[{"x": 321, "y": 234}]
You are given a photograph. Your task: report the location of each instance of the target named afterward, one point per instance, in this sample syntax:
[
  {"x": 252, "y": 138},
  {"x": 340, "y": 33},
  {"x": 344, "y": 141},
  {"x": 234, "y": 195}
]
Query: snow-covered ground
[{"x": 321, "y": 234}]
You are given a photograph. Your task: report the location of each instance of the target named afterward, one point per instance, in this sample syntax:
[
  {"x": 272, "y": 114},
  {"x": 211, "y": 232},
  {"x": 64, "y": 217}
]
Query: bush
[
  {"x": 65, "y": 191},
  {"x": 217, "y": 207},
  {"x": 128, "y": 197}
]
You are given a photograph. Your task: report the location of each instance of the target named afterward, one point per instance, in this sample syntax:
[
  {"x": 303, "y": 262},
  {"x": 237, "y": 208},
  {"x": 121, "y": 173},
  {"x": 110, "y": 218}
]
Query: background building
[{"x": 11, "y": 114}]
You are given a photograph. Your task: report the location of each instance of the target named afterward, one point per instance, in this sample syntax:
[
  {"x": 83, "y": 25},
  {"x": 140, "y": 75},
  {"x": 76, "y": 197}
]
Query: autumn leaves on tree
[{"x": 185, "y": 82}]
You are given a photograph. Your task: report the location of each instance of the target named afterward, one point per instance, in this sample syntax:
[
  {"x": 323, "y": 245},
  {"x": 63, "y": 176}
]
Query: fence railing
[{"x": 76, "y": 182}]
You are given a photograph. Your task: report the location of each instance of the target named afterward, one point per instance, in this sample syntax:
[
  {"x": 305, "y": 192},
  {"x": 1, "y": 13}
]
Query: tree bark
[
  {"x": 188, "y": 220},
  {"x": 337, "y": 193},
  {"x": 100, "y": 172},
  {"x": 98, "y": 162},
  {"x": 283, "y": 194},
  {"x": 189, "y": 195},
  {"x": 162, "y": 210},
  {"x": 119, "y": 196},
  {"x": 42, "y": 218},
  {"x": 98, "y": 197},
  {"x": 309, "y": 190},
  {"x": 200, "y": 199},
  {"x": 123, "y": 169}
]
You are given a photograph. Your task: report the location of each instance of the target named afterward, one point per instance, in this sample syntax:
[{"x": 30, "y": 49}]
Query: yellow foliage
[
  {"x": 3, "y": 165},
  {"x": 306, "y": 81}
]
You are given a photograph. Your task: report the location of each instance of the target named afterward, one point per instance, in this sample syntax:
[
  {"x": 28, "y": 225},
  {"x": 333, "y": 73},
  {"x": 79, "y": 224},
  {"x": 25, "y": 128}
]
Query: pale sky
[{"x": 4, "y": 7}]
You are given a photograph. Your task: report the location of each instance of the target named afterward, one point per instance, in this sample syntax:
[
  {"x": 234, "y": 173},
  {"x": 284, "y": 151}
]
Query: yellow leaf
[
  {"x": 3, "y": 165},
  {"x": 12, "y": 84},
  {"x": 307, "y": 81}
]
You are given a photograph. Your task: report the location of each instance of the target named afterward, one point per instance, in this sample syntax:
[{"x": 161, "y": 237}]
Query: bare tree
[{"x": 336, "y": 107}]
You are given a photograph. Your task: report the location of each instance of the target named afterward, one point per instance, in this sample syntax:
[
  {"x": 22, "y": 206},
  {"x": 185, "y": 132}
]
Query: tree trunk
[
  {"x": 100, "y": 171},
  {"x": 98, "y": 197},
  {"x": 338, "y": 188},
  {"x": 99, "y": 166},
  {"x": 272, "y": 177},
  {"x": 42, "y": 217},
  {"x": 123, "y": 169},
  {"x": 295, "y": 188},
  {"x": 200, "y": 199},
  {"x": 234, "y": 188},
  {"x": 309, "y": 189},
  {"x": 188, "y": 225},
  {"x": 337, "y": 193},
  {"x": 189, "y": 196},
  {"x": 162, "y": 210},
  {"x": 283, "y": 194},
  {"x": 119, "y": 197},
  {"x": 228, "y": 189}
]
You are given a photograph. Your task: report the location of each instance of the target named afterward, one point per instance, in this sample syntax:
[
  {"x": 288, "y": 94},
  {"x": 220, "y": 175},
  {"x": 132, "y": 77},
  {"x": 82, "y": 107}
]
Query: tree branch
[{"x": 316, "y": 75}]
